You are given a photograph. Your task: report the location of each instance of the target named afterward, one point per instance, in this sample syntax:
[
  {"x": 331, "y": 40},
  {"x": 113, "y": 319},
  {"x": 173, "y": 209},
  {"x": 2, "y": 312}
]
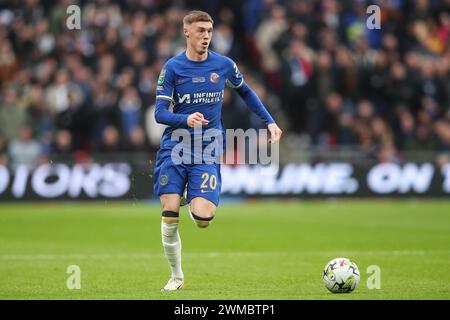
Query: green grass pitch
[{"x": 252, "y": 250}]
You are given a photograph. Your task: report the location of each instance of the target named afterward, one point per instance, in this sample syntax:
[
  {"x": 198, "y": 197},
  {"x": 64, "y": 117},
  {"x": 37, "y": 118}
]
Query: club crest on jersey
[
  {"x": 214, "y": 78},
  {"x": 163, "y": 180}
]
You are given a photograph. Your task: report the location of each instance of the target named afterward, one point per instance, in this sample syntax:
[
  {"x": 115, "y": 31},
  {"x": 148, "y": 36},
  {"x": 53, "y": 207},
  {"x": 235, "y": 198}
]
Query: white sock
[{"x": 172, "y": 248}]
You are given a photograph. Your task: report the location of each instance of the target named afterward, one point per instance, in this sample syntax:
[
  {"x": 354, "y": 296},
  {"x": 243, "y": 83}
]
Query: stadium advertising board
[
  {"x": 339, "y": 179},
  {"x": 63, "y": 181},
  {"x": 126, "y": 182}
]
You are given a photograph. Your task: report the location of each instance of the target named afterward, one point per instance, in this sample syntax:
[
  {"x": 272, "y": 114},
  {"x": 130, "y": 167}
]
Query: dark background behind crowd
[{"x": 324, "y": 76}]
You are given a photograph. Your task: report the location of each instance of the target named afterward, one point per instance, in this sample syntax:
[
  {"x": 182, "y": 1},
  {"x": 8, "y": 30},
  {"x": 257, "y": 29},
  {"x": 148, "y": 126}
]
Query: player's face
[{"x": 199, "y": 35}]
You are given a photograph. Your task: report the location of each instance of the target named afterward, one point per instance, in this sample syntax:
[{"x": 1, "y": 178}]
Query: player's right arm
[{"x": 164, "y": 97}]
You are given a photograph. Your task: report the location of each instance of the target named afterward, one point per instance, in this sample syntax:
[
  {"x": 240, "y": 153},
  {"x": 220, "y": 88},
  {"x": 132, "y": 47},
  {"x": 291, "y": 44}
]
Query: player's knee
[
  {"x": 170, "y": 202},
  {"x": 203, "y": 220},
  {"x": 202, "y": 211}
]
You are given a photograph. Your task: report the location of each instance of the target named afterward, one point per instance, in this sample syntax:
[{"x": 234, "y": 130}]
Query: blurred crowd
[{"x": 318, "y": 68}]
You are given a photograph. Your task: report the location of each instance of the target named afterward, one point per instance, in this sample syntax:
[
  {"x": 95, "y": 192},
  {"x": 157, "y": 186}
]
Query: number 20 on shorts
[{"x": 209, "y": 179}]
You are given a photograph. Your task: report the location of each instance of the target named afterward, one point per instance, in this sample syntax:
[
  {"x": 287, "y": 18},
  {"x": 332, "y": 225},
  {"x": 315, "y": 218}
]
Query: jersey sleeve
[
  {"x": 164, "y": 97},
  {"x": 166, "y": 84},
  {"x": 234, "y": 77}
]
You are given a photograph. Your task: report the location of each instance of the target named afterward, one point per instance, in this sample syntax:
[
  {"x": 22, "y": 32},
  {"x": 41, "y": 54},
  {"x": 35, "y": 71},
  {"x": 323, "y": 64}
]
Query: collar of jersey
[{"x": 186, "y": 57}]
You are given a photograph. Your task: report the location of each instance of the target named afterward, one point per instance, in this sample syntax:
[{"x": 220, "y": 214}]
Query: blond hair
[{"x": 195, "y": 16}]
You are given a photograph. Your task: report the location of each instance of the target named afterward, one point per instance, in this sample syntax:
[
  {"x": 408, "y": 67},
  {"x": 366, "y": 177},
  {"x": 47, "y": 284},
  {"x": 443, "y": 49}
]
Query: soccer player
[{"x": 193, "y": 81}]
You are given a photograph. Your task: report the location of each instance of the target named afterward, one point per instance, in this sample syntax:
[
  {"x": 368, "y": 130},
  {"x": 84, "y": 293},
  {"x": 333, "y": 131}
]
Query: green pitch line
[{"x": 257, "y": 250}]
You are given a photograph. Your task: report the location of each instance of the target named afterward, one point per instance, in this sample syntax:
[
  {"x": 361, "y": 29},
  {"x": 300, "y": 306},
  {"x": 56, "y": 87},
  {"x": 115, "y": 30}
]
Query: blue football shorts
[{"x": 203, "y": 180}]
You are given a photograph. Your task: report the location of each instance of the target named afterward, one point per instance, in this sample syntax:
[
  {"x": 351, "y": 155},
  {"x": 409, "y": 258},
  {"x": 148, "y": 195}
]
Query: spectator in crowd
[
  {"x": 61, "y": 147},
  {"x": 9, "y": 63},
  {"x": 406, "y": 137},
  {"x": 442, "y": 129},
  {"x": 130, "y": 110},
  {"x": 25, "y": 150},
  {"x": 266, "y": 36},
  {"x": 111, "y": 141},
  {"x": 13, "y": 114},
  {"x": 297, "y": 71},
  {"x": 3, "y": 151},
  {"x": 137, "y": 140}
]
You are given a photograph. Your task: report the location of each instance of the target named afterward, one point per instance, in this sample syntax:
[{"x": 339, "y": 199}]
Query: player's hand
[
  {"x": 196, "y": 119},
  {"x": 275, "y": 133}
]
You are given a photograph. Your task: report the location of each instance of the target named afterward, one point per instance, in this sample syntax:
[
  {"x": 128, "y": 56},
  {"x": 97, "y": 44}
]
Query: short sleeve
[
  {"x": 234, "y": 77},
  {"x": 166, "y": 84}
]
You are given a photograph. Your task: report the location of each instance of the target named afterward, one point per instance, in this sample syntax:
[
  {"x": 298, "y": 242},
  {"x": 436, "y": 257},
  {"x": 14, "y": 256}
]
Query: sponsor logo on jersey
[
  {"x": 201, "y": 97},
  {"x": 214, "y": 78},
  {"x": 186, "y": 98},
  {"x": 198, "y": 79}
]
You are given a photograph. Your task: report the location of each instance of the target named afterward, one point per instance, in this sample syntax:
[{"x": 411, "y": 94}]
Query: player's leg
[
  {"x": 204, "y": 183},
  {"x": 171, "y": 239},
  {"x": 169, "y": 183}
]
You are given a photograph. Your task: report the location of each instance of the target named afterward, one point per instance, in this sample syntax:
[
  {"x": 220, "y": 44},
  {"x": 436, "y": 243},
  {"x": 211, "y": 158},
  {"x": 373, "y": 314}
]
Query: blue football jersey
[{"x": 197, "y": 86}]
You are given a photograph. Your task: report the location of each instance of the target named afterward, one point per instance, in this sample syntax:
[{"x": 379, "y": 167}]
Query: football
[{"x": 341, "y": 275}]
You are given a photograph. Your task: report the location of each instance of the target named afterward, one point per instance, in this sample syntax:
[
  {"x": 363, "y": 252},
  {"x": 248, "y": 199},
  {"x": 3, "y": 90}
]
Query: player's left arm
[{"x": 236, "y": 81}]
